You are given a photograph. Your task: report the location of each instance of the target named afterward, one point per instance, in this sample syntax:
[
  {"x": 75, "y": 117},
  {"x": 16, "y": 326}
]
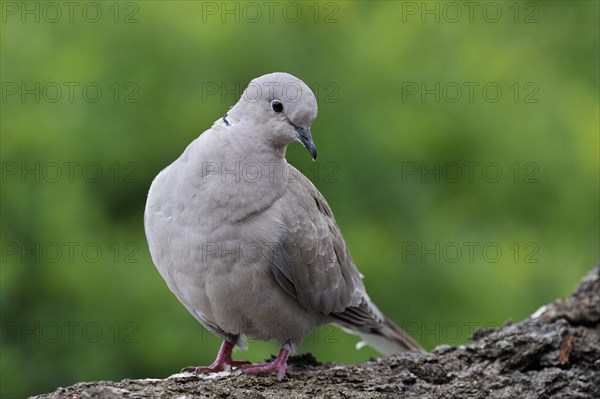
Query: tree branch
[{"x": 554, "y": 353}]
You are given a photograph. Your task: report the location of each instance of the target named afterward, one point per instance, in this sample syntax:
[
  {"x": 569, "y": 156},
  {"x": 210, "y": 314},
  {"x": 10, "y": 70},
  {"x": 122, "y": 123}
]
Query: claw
[
  {"x": 278, "y": 365},
  {"x": 222, "y": 362}
]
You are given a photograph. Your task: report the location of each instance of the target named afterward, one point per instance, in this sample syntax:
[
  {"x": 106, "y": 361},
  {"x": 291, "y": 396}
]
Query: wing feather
[{"x": 312, "y": 262}]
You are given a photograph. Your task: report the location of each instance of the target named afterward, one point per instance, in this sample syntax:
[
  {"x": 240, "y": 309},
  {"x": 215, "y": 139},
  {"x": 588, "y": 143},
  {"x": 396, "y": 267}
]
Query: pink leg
[
  {"x": 222, "y": 362},
  {"x": 276, "y": 366}
]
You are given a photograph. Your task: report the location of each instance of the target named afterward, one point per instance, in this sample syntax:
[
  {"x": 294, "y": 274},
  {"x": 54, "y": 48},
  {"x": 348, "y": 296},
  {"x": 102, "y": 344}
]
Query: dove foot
[
  {"x": 278, "y": 365},
  {"x": 222, "y": 362}
]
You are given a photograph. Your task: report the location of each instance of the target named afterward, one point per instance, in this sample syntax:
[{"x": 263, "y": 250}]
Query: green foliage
[{"x": 72, "y": 314}]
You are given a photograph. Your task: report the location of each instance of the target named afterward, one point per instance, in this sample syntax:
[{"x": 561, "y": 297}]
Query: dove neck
[
  {"x": 253, "y": 147},
  {"x": 233, "y": 172},
  {"x": 236, "y": 149},
  {"x": 246, "y": 142}
]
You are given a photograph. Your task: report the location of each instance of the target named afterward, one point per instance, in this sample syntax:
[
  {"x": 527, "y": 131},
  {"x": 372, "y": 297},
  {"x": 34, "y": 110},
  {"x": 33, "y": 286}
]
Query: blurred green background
[{"x": 462, "y": 208}]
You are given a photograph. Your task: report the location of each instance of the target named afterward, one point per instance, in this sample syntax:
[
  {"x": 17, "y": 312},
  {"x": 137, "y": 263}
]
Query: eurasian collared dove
[{"x": 248, "y": 244}]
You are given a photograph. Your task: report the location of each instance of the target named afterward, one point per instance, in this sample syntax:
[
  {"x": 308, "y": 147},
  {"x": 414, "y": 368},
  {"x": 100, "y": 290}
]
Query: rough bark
[{"x": 555, "y": 353}]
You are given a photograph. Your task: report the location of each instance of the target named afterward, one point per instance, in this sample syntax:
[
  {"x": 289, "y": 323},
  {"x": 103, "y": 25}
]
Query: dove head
[{"x": 281, "y": 108}]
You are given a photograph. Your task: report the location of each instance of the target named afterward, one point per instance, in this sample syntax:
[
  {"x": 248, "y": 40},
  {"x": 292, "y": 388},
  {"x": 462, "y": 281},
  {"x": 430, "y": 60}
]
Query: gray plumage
[{"x": 246, "y": 242}]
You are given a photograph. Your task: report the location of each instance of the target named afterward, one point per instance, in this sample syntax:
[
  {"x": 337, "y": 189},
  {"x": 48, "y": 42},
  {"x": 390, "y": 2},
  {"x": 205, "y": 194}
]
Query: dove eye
[{"x": 277, "y": 106}]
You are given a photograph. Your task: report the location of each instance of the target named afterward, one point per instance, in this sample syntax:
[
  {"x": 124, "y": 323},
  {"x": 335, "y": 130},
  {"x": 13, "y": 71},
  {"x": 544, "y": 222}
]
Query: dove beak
[{"x": 306, "y": 138}]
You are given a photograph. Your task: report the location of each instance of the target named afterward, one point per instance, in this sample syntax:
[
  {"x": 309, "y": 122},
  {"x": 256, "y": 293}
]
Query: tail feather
[
  {"x": 400, "y": 337},
  {"x": 387, "y": 338},
  {"x": 367, "y": 321}
]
